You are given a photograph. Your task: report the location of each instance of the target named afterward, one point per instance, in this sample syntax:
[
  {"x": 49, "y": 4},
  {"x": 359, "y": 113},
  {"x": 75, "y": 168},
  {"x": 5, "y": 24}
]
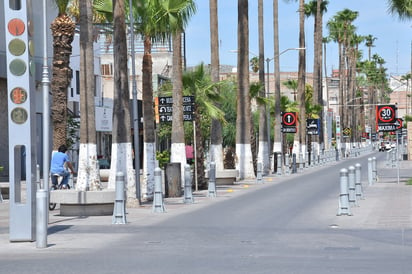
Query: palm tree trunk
[
  {"x": 88, "y": 174},
  {"x": 121, "y": 144},
  {"x": 149, "y": 145},
  {"x": 243, "y": 147},
  {"x": 278, "y": 135},
  {"x": 263, "y": 154},
  {"x": 178, "y": 154},
  {"x": 302, "y": 79},
  {"x": 63, "y": 32},
  {"x": 216, "y": 138}
]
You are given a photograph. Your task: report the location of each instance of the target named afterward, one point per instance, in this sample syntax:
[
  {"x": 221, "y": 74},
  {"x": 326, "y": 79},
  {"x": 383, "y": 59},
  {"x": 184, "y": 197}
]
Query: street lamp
[{"x": 46, "y": 104}]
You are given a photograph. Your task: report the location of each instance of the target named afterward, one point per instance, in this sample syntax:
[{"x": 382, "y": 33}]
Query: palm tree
[
  {"x": 264, "y": 139},
  {"x": 402, "y": 8},
  {"x": 293, "y": 85},
  {"x": 317, "y": 8},
  {"x": 243, "y": 148},
  {"x": 88, "y": 176},
  {"x": 302, "y": 79},
  {"x": 62, "y": 29},
  {"x": 121, "y": 142},
  {"x": 216, "y": 140},
  {"x": 177, "y": 14},
  {"x": 207, "y": 99},
  {"x": 369, "y": 39},
  {"x": 277, "y": 145}
]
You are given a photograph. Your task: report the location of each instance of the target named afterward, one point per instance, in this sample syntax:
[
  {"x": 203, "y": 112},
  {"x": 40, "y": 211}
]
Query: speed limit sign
[{"x": 385, "y": 114}]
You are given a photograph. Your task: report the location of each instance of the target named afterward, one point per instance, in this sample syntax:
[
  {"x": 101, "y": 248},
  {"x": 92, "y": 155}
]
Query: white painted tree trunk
[
  {"x": 178, "y": 155},
  {"x": 244, "y": 162},
  {"x": 149, "y": 165},
  {"x": 263, "y": 156},
  {"x": 88, "y": 177},
  {"x": 122, "y": 161},
  {"x": 217, "y": 152}
]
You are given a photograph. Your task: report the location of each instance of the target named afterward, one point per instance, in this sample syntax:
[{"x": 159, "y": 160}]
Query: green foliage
[
  {"x": 73, "y": 126},
  {"x": 163, "y": 157}
]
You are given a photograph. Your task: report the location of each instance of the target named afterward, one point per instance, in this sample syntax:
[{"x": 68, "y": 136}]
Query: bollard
[
  {"x": 279, "y": 169},
  {"x": 41, "y": 218},
  {"x": 188, "y": 197},
  {"x": 370, "y": 175},
  {"x": 158, "y": 205},
  {"x": 287, "y": 169},
  {"x": 212, "y": 181},
  {"x": 374, "y": 170},
  {"x": 344, "y": 208},
  {"x": 119, "y": 214},
  {"x": 394, "y": 160},
  {"x": 301, "y": 162},
  {"x": 294, "y": 163},
  {"x": 358, "y": 183},
  {"x": 275, "y": 162},
  {"x": 351, "y": 183},
  {"x": 259, "y": 173}
]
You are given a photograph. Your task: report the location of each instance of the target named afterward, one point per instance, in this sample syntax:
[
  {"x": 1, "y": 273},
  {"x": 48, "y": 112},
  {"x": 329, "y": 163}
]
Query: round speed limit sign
[{"x": 386, "y": 114}]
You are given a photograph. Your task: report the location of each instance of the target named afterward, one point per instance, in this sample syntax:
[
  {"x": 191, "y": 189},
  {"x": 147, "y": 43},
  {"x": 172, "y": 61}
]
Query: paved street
[{"x": 285, "y": 225}]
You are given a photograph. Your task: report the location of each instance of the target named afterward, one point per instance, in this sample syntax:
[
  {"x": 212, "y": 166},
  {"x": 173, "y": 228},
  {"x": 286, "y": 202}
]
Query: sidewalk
[{"x": 387, "y": 204}]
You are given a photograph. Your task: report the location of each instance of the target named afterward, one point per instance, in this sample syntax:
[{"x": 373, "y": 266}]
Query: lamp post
[
  {"x": 46, "y": 104},
  {"x": 135, "y": 108}
]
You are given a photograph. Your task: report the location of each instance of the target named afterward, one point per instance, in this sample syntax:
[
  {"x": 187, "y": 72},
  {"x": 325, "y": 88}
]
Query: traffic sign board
[
  {"x": 289, "y": 119},
  {"x": 386, "y": 114},
  {"x": 165, "y": 108}
]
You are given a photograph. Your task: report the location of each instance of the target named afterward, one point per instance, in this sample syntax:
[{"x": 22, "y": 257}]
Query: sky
[{"x": 393, "y": 43}]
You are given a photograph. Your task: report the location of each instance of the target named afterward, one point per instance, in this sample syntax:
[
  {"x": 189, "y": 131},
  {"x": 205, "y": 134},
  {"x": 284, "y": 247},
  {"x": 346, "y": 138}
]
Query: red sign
[
  {"x": 386, "y": 114},
  {"x": 289, "y": 119}
]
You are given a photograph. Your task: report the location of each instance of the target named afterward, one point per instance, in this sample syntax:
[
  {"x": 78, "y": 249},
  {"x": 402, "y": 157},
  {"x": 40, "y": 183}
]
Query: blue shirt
[{"x": 57, "y": 162}]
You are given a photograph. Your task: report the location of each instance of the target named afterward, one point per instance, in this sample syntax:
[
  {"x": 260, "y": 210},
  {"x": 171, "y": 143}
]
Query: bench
[
  {"x": 84, "y": 203},
  {"x": 225, "y": 176}
]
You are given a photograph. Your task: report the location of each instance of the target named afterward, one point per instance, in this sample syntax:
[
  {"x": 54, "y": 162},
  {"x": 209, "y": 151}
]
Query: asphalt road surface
[{"x": 283, "y": 226}]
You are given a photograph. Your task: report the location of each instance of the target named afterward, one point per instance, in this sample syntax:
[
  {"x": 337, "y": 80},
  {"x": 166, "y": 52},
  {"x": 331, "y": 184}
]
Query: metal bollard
[
  {"x": 119, "y": 214},
  {"x": 212, "y": 181},
  {"x": 41, "y": 218},
  {"x": 374, "y": 170},
  {"x": 259, "y": 173},
  {"x": 370, "y": 172},
  {"x": 351, "y": 182},
  {"x": 158, "y": 205},
  {"x": 358, "y": 183},
  {"x": 344, "y": 208},
  {"x": 188, "y": 197},
  {"x": 279, "y": 162},
  {"x": 294, "y": 169}
]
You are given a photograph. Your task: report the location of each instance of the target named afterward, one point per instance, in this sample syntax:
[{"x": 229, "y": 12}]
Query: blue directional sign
[{"x": 166, "y": 108}]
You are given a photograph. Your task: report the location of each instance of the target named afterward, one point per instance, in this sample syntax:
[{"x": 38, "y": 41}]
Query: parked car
[{"x": 384, "y": 146}]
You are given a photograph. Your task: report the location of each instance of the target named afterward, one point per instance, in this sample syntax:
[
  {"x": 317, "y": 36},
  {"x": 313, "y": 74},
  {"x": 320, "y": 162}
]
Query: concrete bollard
[
  {"x": 279, "y": 169},
  {"x": 301, "y": 163},
  {"x": 351, "y": 183},
  {"x": 211, "y": 190},
  {"x": 158, "y": 205},
  {"x": 188, "y": 197},
  {"x": 344, "y": 208},
  {"x": 374, "y": 170},
  {"x": 370, "y": 172},
  {"x": 358, "y": 183},
  {"x": 259, "y": 173},
  {"x": 41, "y": 218},
  {"x": 287, "y": 169},
  {"x": 119, "y": 211}
]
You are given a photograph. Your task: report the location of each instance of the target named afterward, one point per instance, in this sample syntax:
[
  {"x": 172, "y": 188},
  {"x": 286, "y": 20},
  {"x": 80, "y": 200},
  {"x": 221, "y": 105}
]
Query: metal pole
[
  {"x": 135, "y": 108},
  {"x": 46, "y": 103}
]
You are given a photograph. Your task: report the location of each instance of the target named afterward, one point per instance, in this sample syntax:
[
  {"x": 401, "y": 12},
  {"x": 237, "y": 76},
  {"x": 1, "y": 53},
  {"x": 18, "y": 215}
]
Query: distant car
[{"x": 384, "y": 146}]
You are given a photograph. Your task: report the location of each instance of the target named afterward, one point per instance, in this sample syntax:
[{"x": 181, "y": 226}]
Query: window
[{"x": 107, "y": 69}]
